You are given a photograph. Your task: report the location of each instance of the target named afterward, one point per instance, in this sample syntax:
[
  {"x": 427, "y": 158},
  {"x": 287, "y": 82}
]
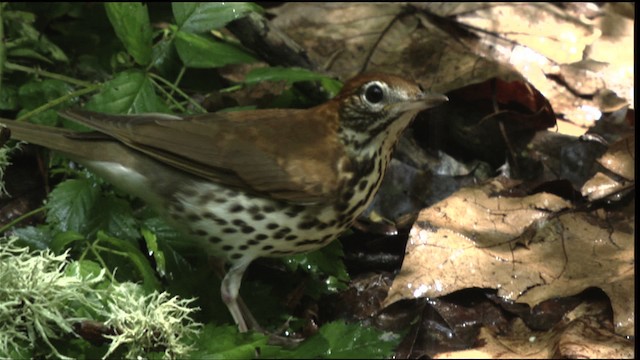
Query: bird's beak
[{"x": 426, "y": 101}]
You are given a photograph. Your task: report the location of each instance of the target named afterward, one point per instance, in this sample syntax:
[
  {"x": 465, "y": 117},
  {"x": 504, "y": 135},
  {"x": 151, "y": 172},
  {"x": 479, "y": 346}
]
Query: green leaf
[
  {"x": 24, "y": 40},
  {"x": 35, "y": 237},
  {"x": 149, "y": 279},
  {"x": 70, "y": 203},
  {"x": 83, "y": 268},
  {"x": 152, "y": 245},
  {"x": 338, "y": 340},
  {"x": 277, "y": 73},
  {"x": 39, "y": 92},
  {"x": 130, "y": 92},
  {"x": 292, "y": 75},
  {"x": 323, "y": 262},
  {"x": 115, "y": 216},
  {"x": 8, "y": 97},
  {"x": 202, "y": 17},
  {"x": 131, "y": 23},
  {"x": 62, "y": 240},
  {"x": 197, "y": 51},
  {"x": 224, "y": 342}
]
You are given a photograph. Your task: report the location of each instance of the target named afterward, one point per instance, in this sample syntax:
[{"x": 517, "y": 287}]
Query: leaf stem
[
  {"x": 58, "y": 101},
  {"x": 180, "y": 92},
  {"x": 21, "y": 218},
  {"x": 38, "y": 71}
]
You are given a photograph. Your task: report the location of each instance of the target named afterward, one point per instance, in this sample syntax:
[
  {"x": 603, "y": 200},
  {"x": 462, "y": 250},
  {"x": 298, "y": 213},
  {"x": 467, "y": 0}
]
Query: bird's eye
[{"x": 373, "y": 93}]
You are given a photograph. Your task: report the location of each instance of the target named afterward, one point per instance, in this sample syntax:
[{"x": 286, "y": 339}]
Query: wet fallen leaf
[
  {"x": 581, "y": 335},
  {"x": 529, "y": 248}
]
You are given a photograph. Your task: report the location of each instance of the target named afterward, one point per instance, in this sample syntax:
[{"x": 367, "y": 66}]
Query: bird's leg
[
  {"x": 238, "y": 309},
  {"x": 229, "y": 291}
]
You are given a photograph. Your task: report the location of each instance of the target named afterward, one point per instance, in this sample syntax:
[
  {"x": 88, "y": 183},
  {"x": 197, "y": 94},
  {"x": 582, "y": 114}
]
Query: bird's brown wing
[{"x": 275, "y": 152}]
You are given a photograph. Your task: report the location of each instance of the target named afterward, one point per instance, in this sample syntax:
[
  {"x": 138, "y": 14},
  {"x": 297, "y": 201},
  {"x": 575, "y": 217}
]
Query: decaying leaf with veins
[{"x": 521, "y": 246}]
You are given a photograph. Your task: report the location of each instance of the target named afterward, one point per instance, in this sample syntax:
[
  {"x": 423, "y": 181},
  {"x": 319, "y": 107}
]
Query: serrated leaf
[
  {"x": 197, "y": 51},
  {"x": 38, "y": 92},
  {"x": 130, "y": 21},
  {"x": 70, "y": 203},
  {"x": 36, "y": 237},
  {"x": 115, "y": 216},
  {"x": 338, "y": 340},
  {"x": 203, "y": 17},
  {"x": 130, "y": 92}
]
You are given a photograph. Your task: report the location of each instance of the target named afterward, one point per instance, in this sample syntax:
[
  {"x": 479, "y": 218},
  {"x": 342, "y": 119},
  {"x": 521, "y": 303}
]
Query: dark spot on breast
[
  {"x": 227, "y": 247},
  {"x": 247, "y": 229},
  {"x": 327, "y": 237},
  {"x": 363, "y": 184},
  {"x": 229, "y": 230},
  {"x": 254, "y": 209},
  {"x": 268, "y": 208},
  {"x": 193, "y": 217},
  {"x": 189, "y": 192},
  {"x": 236, "y": 256},
  {"x": 293, "y": 211},
  {"x": 200, "y": 232},
  {"x": 281, "y": 233},
  {"x": 261, "y": 237},
  {"x": 239, "y": 222},
  {"x": 243, "y": 247},
  {"x": 206, "y": 198},
  {"x": 341, "y": 206},
  {"x": 347, "y": 195},
  {"x": 258, "y": 217},
  {"x": 305, "y": 225},
  {"x": 291, "y": 237},
  {"x": 272, "y": 226},
  {"x": 177, "y": 207},
  {"x": 236, "y": 208},
  {"x": 215, "y": 239},
  {"x": 267, "y": 247},
  {"x": 253, "y": 242}
]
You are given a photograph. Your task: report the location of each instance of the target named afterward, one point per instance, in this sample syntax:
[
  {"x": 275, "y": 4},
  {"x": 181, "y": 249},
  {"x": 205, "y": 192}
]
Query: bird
[{"x": 249, "y": 184}]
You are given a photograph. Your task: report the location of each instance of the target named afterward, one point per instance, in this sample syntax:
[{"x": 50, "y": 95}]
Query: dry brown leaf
[
  {"x": 571, "y": 58},
  {"x": 620, "y": 157},
  {"x": 519, "y": 246},
  {"x": 581, "y": 335},
  {"x": 620, "y": 160},
  {"x": 348, "y": 38}
]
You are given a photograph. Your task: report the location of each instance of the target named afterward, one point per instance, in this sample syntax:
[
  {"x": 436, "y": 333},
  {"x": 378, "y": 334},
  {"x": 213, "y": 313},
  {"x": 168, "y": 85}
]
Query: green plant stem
[
  {"x": 183, "y": 69},
  {"x": 60, "y": 100},
  {"x": 92, "y": 248},
  {"x": 37, "y": 71},
  {"x": 180, "y": 92},
  {"x": 21, "y": 218},
  {"x": 169, "y": 96}
]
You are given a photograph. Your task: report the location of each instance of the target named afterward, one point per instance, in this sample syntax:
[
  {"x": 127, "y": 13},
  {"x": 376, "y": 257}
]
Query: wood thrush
[{"x": 253, "y": 183}]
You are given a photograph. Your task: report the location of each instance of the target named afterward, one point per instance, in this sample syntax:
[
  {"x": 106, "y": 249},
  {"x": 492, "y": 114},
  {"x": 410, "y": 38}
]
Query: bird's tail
[{"x": 47, "y": 136}]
